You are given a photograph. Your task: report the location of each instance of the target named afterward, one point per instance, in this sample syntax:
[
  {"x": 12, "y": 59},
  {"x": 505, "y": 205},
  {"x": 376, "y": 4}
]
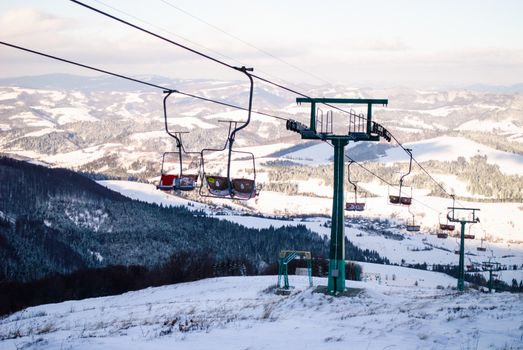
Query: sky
[{"x": 372, "y": 43}]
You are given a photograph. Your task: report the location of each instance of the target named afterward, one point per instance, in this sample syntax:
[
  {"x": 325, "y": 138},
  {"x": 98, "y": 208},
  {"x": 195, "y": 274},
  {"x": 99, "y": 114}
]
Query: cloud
[{"x": 24, "y": 21}]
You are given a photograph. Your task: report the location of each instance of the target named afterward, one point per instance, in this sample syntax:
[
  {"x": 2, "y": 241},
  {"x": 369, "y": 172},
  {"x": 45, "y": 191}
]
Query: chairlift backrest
[{"x": 167, "y": 182}]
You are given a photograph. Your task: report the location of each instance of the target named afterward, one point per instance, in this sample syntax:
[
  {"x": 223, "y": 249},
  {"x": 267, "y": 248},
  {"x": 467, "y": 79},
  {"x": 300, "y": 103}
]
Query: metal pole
[
  {"x": 336, "y": 282},
  {"x": 490, "y": 281},
  {"x": 461, "y": 272}
]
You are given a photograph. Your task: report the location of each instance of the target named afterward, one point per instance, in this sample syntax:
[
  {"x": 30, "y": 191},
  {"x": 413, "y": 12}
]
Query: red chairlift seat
[
  {"x": 442, "y": 235},
  {"x": 167, "y": 182},
  {"x": 244, "y": 188},
  {"x": 469, "y": 236}
]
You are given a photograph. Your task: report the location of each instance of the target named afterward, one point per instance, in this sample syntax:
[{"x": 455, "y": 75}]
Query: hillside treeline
[{"x": 482, "y": 178}]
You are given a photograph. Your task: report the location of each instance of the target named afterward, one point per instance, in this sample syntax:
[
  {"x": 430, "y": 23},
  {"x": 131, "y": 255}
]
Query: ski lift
[
  {"x": 481, "y": 248},
  {"x": 445, "y": 226},
  {"x": 442, "y": 235},
  {"x": 469, "y": 235},
  {"x": 177, "y": 179},
  {"x": 458, "y": 244},
  {"x": 401, "y": 198},
  {"x": 221, "y": 186},
  {"x": 355, "y": 205},
  {"x": 167, "y": 178},
  {"x": 413, "y": 227}
]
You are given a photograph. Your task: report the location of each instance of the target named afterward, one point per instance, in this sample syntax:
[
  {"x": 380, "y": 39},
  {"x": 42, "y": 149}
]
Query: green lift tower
[
  {"x": 359, "y": 128},
  {"x": 463, "y": 216}
]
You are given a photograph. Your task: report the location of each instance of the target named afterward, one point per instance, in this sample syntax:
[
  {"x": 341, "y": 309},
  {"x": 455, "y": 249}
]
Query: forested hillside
[{"x": 57, "y": 221}]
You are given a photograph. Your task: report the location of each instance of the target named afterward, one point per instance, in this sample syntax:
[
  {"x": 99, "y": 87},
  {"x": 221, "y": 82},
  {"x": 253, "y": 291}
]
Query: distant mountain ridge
[{"x": 113, "y": 127}]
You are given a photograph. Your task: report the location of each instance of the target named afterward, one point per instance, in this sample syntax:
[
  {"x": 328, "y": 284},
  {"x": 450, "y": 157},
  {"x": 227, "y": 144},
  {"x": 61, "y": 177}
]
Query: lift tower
[
  {"x": 360, "y": 128},
  {"x": 463, "y": 216}
]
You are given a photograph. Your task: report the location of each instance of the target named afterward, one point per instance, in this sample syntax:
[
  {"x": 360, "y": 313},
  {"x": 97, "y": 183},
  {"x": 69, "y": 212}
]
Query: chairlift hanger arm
[
  {"x": 232, "y": 135},
  {"x": 245, "y": 71},
  {"x": 173, "y": 135},
  {"x": 409, "y": 151},
  {"x": 348, "y": 175}
]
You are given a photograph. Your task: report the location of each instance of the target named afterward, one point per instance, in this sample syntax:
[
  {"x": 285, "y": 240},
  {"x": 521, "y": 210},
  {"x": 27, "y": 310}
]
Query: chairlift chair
[
  {"x": 355, "y": 205},
  {"x": 442, "y": 235},
  {"x": 481, "y": 248},
  {"x": 401, "y": 198},
  {"x": 469, "y": 235},
  {"x": 168, "y": 179},
  {"x": 218, "y": 185},
  {"x": 245, "y": 188},
  {"x": 227, "y": 186},
  {"x": 178, "y": 180},
  {"x": 413, "y": 227},
  {"x": 445, "y": 226}
]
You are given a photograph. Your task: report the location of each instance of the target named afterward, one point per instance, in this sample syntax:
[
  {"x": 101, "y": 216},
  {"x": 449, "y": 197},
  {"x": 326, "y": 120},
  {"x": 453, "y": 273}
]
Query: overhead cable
[{"x": 201, "y": 54}]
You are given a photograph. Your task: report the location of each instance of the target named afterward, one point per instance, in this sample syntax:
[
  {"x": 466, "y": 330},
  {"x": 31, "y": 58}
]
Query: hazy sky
[{"x": 356, "y": 43}]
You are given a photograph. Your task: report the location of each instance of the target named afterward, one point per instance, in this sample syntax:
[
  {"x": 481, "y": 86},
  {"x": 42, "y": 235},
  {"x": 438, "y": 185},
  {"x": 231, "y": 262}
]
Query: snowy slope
[
  {"x": 447, "y": 148},
  {"x": 243, "y": 313},
  {"x": 147, "y": 193},
  {"x": 444, "y": 148}
]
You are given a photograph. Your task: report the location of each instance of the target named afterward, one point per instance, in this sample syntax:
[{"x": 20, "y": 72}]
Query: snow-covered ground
[
  {"x": 447, "y": 148},
  {"x": 389, "y": 312}
]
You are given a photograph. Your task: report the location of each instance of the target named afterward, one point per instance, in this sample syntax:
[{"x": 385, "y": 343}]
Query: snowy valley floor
[{"x": 244, "y": 313}]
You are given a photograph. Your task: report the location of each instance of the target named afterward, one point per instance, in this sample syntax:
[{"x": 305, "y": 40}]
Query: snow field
[
  {"x": 243, "y": 312},
  {"x": 450, "y": 148}
]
